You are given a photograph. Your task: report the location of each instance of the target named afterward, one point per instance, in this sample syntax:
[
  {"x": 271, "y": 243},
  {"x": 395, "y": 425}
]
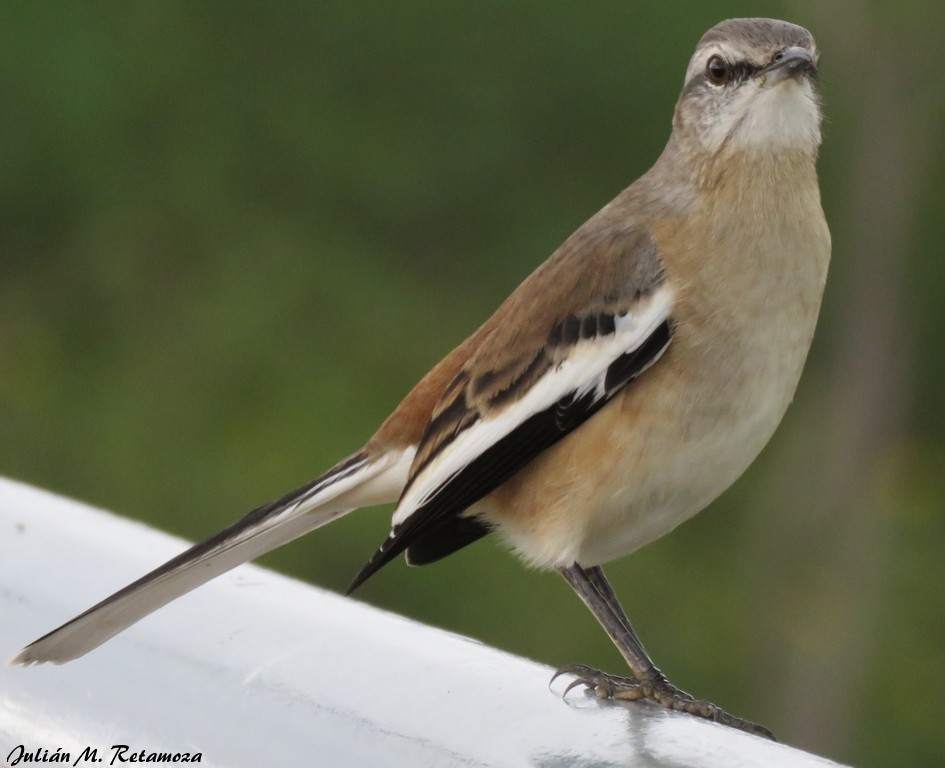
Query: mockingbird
[{"x": 623, "y": 385}]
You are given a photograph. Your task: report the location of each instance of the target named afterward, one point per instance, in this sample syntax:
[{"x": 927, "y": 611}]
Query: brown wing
[{"x": 578, "y": 303}]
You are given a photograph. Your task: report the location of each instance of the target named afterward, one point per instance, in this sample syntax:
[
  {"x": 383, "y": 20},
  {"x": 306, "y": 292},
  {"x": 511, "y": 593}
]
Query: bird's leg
[{"x": 647, "y": 682}]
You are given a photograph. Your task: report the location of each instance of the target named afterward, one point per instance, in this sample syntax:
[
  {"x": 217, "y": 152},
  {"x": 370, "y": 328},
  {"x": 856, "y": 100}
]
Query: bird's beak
[{"x": 793, "y": 62}]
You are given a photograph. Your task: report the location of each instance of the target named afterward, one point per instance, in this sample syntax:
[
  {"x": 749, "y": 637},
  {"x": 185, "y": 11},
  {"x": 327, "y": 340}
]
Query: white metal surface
[{"x": 257, "y": 669}]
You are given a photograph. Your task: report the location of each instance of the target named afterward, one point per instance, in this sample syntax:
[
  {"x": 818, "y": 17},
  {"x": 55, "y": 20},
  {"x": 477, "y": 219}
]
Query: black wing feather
[{"x": 437, "y": 528}]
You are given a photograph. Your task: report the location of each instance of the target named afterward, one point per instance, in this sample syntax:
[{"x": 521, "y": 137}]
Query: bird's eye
[{"x": 718, "y": 70}]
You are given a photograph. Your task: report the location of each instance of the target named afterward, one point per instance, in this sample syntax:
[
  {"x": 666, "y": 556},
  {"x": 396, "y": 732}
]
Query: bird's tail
[{"x": 358, "y": 481}]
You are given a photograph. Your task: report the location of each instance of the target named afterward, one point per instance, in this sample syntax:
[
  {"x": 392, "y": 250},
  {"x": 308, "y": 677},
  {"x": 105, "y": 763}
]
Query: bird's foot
[{"x": 660, "y": 690}]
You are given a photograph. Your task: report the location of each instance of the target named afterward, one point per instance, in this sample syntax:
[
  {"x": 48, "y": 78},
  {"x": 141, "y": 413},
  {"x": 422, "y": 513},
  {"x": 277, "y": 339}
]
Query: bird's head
[{"x": 751, "y": 86}]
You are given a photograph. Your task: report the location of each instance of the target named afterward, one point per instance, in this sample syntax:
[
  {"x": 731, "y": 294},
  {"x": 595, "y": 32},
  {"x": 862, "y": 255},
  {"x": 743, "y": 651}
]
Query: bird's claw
[
  {"x": 604, "y": 685},
  {"x": 661, "y": 691}
]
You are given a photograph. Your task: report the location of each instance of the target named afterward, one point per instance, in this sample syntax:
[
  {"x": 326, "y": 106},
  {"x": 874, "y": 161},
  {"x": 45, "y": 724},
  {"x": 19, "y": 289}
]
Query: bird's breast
[{"x": 684, "y": 431}]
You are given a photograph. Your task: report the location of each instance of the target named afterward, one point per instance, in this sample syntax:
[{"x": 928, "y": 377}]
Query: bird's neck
[{"x": 754, "y": 171}]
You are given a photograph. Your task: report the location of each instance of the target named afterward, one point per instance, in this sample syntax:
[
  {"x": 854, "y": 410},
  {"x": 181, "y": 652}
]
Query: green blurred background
[{"x": 233, "y": 235}]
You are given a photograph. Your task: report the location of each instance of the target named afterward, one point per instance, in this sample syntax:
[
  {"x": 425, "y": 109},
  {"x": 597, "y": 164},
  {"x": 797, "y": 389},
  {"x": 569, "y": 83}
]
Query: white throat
[{"x": 783, "y": 116}]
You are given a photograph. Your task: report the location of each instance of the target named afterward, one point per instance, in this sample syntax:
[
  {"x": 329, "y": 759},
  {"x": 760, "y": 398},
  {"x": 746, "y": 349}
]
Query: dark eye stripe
[
  {"x": 742, "y": 70},
  {"x": 739, "y": 72}
]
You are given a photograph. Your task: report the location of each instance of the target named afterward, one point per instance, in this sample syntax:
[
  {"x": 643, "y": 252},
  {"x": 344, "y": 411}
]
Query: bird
[{"x": 619, "y": 389}]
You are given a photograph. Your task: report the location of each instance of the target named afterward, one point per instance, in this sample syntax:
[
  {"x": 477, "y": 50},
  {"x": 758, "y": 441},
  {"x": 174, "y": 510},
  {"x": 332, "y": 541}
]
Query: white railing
[{"x": 255, "y": 669}]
